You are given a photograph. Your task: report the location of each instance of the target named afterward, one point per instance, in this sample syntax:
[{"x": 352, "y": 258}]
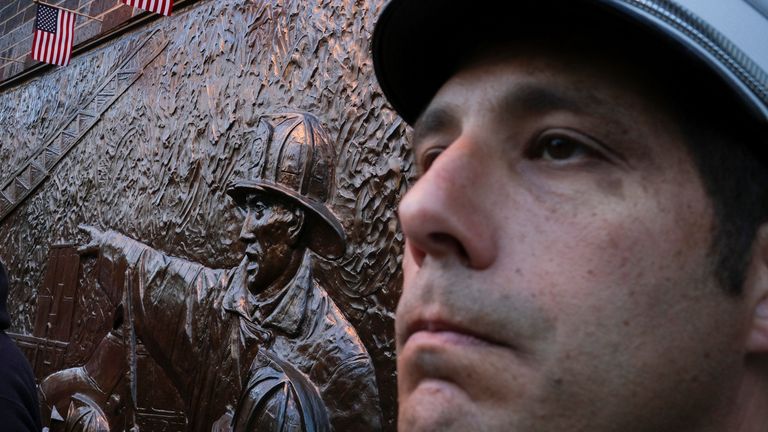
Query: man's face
[
  {"x": 267, "y": 232},
  {"x": 558, "y": 274}
]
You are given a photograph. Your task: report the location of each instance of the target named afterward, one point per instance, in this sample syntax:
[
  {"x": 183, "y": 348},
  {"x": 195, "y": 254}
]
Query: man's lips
[
  {"x": 444, "y": 332},
  {"x": 253, "y": 261},
  {"x": 251, "y": 267}
]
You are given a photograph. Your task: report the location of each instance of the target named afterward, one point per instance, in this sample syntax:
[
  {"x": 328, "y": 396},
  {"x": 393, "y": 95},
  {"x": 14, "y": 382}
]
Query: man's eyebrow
[
  {"x": 433, "y": 120},
  {"x": 523, "y": 99},
  {"x": 538, "y": 99}
]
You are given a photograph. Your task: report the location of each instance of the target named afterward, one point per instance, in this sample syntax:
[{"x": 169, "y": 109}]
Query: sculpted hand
[{"x": 93, "y": 245}]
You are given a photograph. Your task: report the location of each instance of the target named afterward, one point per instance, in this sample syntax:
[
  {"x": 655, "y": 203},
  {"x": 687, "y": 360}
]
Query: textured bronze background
[{"x": 152, "y": 160}]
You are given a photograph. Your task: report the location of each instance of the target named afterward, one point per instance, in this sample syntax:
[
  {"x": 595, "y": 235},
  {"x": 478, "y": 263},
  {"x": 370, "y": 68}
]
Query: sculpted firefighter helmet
[{"x": 299, "y": 165}]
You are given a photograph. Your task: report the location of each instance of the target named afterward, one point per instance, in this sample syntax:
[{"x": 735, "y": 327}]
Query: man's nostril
[{"x": 450, "y": 243}]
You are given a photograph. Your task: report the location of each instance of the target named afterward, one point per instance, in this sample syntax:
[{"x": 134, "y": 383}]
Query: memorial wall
[{"x": 198, "y": 218}]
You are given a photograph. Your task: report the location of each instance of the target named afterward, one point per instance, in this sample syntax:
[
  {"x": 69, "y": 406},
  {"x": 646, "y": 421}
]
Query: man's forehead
[
  {"x": 522, "y": 95},
  {"x": 259, "y": 198},
  {"x": 255, "y": 198}
]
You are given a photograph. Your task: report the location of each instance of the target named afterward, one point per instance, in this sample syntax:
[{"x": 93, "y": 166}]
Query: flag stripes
[
  {"x": 158, "y": 6},
  {"x": 54, "y": 35}
]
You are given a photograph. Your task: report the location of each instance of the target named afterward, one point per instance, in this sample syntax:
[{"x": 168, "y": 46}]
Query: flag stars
[{"x": 46, "y": 18}]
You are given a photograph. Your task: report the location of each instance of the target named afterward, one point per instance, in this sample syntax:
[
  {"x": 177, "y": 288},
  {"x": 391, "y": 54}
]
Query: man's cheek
[{"x": 409, "y": 265}]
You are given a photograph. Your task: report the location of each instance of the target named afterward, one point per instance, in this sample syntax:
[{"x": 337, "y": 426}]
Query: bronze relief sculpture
[
  {"x": 260, "y": 346},
  {"x": 141, "y": 137}
]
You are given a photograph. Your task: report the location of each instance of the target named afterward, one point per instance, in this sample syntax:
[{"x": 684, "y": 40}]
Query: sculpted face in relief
[{"x": 270, "y": 230}]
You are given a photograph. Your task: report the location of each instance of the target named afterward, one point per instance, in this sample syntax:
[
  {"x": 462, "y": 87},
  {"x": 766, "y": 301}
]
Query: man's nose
[
  {"x": 446, "y": 213},
  {"x": 246, "y": 233}
]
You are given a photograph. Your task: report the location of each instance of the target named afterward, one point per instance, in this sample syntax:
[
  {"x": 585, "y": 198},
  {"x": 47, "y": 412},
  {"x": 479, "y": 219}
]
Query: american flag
[
  {"x": 158, "y": 6},
  {"x": 54, "y": 32}
]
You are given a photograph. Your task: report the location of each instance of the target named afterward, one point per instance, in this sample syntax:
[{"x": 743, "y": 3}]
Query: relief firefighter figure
[{"x": 259, "y": 347}]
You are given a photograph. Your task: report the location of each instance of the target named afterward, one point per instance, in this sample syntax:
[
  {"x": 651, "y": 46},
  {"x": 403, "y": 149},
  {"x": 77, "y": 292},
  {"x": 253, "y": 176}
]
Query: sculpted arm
[
  {"x": 151, "y": 263},
  {"x": 173, "y": 303},
  {"x": 116, "y": 247}
]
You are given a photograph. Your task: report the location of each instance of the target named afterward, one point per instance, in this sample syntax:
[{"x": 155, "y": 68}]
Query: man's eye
[
  {"x": 256, "y": 206},
  {"x": 562, "y": 149},
  {"x": 429, "y": 157}
]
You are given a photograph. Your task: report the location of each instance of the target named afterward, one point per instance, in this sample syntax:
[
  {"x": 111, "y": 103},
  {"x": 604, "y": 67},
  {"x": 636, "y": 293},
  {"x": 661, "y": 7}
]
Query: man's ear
[
  {"x": 757, "y": 341},
  {"x": 294, "y": 230}
]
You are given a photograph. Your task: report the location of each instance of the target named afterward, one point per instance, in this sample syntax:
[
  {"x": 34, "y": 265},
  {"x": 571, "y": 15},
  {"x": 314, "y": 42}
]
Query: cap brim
[
  {"x": 327, "y": 237},
  {"x": 418, "y": 45}
]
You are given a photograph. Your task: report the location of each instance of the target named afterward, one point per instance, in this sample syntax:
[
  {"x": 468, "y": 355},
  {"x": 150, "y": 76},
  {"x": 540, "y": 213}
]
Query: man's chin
[
  {"x": 252, "y": 281},
  {"x": 437, "y": 405}
]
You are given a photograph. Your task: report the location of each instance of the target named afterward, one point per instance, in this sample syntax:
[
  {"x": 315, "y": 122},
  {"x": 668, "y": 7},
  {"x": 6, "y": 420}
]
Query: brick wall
[{"x": 17, "y": 20}]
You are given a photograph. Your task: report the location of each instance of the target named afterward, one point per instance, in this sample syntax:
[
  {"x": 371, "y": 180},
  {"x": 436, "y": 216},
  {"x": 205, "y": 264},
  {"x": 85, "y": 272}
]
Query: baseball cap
[{"x": 418, "y": 44}]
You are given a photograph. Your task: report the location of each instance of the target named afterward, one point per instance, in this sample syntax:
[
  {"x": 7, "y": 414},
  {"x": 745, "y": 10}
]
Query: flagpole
[
  {"x": 68, "y": 10},
  {"x": 12, "y": 60}
]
